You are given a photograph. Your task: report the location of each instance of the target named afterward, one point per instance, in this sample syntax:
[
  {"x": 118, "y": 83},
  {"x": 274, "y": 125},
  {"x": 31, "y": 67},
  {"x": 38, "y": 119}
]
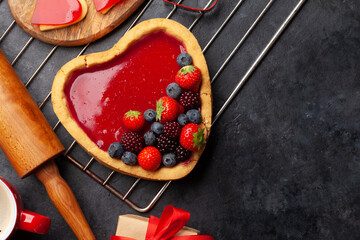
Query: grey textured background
[{"x": 283, "y": 160}]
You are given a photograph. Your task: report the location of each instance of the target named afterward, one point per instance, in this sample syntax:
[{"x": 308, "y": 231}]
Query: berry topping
[
  {"x": 192, "y": 137},
  {"x": 172, "y": 130},
  {"x": 189, "y": 77},
  {"x": 166, "y": 144},
  {"x": 134, "y": 120},
  {"x": 173, "y": 90},
  {"x": 157, "y": 128},
  {"x": 182, "y": 154},
  {"x": 184, "y": 59},
  {"x": 169, "y": 159},
  {"x": 129, "y": 158},
  {"x": 150, "y": 115},
  {"x": 194, "y": 116},
  {"x": 181, "y": 109},
  {"x": 149, "y": 138},
  {"x": 182, "y": 119},
  {"x": 132, "y": 142},
  {"x": 167, "y": 109},
  {"x": 115, "y": 150},
  {"x": 149, "y": 158},
  {"x": 190, "y": 100}
]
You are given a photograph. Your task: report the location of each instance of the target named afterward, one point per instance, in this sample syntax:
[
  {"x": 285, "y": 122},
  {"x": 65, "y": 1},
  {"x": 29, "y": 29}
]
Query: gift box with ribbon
[{"x": 171, "y": 225}]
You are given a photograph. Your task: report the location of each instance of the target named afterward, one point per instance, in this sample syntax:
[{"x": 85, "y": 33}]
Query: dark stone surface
[{"x": 283, "y": 160}]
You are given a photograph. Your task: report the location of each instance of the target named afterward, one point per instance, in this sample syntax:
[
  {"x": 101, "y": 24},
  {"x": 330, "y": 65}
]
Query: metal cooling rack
[{"x": 240, "y": 84}]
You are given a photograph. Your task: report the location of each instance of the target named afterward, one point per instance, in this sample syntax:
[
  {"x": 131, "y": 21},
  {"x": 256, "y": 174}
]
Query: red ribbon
[
  {"x": 194, "y": 9},
  {"x": 171, "y": 221}
]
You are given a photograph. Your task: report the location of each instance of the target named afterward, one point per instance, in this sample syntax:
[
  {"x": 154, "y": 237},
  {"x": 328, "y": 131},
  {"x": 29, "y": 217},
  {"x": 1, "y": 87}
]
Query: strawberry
[
  {"x": 167, "y": 109},
  {"x": 192, "y": 137},
  {"x": 181, "y": 109},
  {"x": 149, "y": 158},
  {"x": 189, "y": 77},
  {"x": 133, "y": 120}
]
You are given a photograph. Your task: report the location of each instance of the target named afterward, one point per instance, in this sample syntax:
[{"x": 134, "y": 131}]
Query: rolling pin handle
[{"x": 64, "y": 200}]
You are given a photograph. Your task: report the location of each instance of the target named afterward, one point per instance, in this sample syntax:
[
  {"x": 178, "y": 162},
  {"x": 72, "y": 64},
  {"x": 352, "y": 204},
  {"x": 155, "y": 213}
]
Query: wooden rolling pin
[{"x": 31, "y": 145}]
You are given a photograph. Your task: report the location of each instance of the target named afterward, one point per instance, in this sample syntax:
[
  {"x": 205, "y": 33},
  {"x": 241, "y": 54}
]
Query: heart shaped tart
[
  {"x": 54, "y": 14},
  {"x": 114, "y": 103}
]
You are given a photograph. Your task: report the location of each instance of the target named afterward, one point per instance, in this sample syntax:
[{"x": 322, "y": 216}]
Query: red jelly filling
[
  {"x": 104, "y": 4},
  {"x": 99, "y": 96},
  {"x": 55, "y": 12}
]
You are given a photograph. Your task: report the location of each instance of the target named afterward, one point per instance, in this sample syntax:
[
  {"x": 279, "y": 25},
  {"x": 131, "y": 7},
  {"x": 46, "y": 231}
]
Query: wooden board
[{"x": 94, "y": 26}]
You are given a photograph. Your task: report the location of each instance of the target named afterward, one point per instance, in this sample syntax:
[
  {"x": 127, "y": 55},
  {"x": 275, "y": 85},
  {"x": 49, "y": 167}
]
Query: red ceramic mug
[{"x": 13, "y": 216}]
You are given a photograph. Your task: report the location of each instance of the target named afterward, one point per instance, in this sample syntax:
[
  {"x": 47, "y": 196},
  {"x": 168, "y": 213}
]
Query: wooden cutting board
[{"x": 94, "y": 26}]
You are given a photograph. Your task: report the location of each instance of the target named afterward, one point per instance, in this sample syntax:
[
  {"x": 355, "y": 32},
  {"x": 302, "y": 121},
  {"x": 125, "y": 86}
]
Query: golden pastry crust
[
  {"x": 62, "y": 111},
  {"x": 84, "y": 9}
]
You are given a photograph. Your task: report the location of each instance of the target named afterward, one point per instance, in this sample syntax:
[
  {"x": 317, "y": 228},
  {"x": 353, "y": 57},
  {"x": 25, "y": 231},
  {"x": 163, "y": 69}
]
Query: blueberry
[
  {"x": 149, "y": 138},
  {"x": 129, "y": 158},
  {"x": 169, "y": 159},
  {"x": 183, "y": 119},
  {"x": 194, "y": 116},
  {"x": 184, "y": 59},
  {"x": 115, "y": 150},
  {"x": 173, "y": 90},
  {"x": 157, "y": 128},
  {"x": 150, "y": 115}
]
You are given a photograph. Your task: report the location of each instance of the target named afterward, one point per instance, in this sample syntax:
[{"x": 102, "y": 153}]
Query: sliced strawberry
[
  {"x": 167, "y": 109},
  {"x": 149, "y": 158},
  {"x": 192, "y": 137},
  {"x": 134, "y": 120},
  {"x": 189, "y": 77}
]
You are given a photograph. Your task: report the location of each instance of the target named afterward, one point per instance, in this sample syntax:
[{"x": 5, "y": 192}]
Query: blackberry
[
  {"x": 132, "y": 142},
  {"x": 190, "y": 100},
  {"x": 165, "y": 144},
  {"x": 172, "y": 130},
  {"x": 182, "y": 154}
]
